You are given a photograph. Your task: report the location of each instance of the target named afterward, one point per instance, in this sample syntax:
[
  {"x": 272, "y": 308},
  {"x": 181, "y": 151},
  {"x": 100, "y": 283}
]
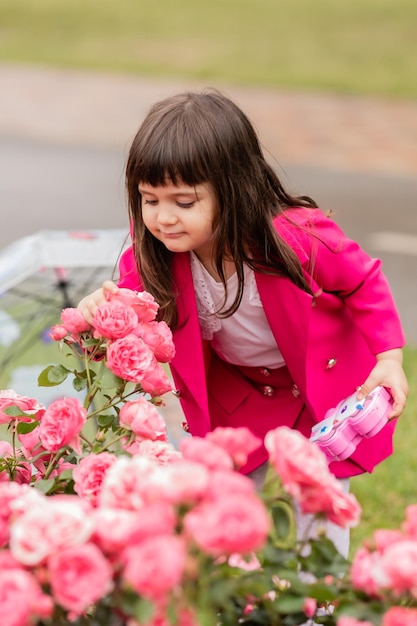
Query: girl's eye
[
  {"x": 186, "y": 205},
  {"x": 151, "y": 202}
]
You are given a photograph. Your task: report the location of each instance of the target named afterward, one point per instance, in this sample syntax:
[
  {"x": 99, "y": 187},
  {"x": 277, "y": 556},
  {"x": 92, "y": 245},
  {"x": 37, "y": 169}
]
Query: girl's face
[{"x": 180, "y": 216}]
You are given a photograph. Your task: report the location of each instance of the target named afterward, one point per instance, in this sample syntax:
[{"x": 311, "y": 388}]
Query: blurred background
[{"x": 330, "y": 85}]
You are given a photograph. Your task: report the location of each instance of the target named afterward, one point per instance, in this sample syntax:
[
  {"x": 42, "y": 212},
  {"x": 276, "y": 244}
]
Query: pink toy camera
[{"x": 343, "y": 427}]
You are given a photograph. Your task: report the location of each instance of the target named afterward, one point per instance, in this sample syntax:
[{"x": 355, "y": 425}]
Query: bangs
[{"x": 178, "y": 152}]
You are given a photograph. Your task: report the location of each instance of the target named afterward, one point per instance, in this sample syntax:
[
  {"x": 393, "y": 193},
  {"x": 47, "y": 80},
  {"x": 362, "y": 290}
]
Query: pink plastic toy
[{"x": 343, "y": 427}]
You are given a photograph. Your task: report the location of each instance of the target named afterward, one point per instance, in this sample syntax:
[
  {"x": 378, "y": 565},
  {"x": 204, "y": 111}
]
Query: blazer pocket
[{"x": 226, "y": 385}]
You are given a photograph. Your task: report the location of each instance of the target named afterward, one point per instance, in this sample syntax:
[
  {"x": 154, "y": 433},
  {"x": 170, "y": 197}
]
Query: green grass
[
  {"x": 354, "y": 46},
  {"x": 386, "y": 492}
]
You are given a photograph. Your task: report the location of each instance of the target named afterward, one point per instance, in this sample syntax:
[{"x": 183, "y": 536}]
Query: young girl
[{"x": 276, "y": 314}]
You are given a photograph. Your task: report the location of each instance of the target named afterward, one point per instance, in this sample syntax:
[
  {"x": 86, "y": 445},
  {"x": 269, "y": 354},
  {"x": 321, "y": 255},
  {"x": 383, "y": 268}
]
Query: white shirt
[{"x": 245, "y": 338}]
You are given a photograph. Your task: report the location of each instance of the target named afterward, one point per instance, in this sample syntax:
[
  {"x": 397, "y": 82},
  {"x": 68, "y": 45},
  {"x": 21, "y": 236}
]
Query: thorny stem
[
  {"x": 87, "y": 441},
  {"x": 112, "y": 402},
  {"x": 111, "y": 443},
  {"x": 53, "y": 462},
  {"x": 14, "y": 440}
]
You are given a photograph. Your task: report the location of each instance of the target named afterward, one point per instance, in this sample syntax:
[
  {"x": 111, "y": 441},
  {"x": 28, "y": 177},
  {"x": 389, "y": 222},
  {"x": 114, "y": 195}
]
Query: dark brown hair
[{"x": 194, "y": 138}]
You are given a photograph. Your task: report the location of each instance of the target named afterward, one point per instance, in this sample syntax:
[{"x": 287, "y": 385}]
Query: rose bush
[{"x": 103, "y": 522}]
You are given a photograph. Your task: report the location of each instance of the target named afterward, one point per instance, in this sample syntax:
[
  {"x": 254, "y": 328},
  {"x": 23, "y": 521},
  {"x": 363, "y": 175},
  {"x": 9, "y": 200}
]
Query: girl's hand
[
  {"x": 90, "y": 303},
  {"x": 389, "y": 373}
]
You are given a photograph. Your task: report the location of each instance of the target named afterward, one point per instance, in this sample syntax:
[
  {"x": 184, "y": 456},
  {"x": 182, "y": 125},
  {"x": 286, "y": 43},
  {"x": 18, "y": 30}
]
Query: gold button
[
  {"x": 268, "y": 391},
  {"x": 265, "y": 372},
  {"x": 331, "y": 363},
  {"x": 176, "y": 393}
]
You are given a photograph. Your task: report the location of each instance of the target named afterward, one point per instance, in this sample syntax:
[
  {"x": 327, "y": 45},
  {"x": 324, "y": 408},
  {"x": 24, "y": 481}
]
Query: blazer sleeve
[
  {"x": 128, "y": 275},
  {"x": 337, "y": 266}
]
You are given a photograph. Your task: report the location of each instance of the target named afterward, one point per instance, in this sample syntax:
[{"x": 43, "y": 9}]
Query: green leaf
[
  {"x": 284, "y": 531},
  {"x": 90, "y": 342},
  {"x": 66, "y": 474},
  {"x": 44, "y": 485},
  {"x": 26, "y": 427},
  {"x": 104, "y": 421},
  {"x": 289, "y": 603},
  {"x": 14, "y": 411},
  {"x": 79, "y": 383},
  {"x": 143, "y": 610},
  {"x": 53, "y": 375},
  {"x": 80, "y": 374},
  {"x": 172, "y": 615},
  {"x": 109, "y": 380},
  {"x": 205, "y": 617}
]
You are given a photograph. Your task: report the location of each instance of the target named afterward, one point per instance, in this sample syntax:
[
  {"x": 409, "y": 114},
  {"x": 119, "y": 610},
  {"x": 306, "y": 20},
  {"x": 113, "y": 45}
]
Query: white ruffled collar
[{"x": 209, "y": 322}]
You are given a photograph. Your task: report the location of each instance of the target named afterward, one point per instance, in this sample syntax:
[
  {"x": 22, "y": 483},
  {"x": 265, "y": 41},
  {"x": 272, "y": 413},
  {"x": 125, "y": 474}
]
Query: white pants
[{"x": 306, "y": 527}]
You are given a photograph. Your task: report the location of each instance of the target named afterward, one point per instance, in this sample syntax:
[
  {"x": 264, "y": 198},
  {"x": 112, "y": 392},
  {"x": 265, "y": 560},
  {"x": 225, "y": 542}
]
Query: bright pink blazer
[{"x": 350, "y": 318}]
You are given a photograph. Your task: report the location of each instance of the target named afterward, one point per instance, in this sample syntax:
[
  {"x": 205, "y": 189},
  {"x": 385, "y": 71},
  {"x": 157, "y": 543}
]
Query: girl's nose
[{"x": 166, "y": 215}]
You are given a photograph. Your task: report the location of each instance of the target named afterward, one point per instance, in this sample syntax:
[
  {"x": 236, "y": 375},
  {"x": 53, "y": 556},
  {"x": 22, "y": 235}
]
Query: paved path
[{"x": 339, "y": 132}]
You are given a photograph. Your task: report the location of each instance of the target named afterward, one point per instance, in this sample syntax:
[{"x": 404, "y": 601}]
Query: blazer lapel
[{"x": 189, "y": 360}]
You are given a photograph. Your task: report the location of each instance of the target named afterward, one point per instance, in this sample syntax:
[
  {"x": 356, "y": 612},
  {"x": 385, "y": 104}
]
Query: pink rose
[
  {"x": 113, "y": 528},
  {"x": 79, "y": 576},
  {"x": 398, "y": 616},
  {"x": 296, "y": 460},
  {"x": 22, "y": 600},
  {"x": 31, "y": 447},
  {"x": 6, "y": 449},
  {"x": 129, "y": 358},
  {"x": 143, "y": 419},
  {"x": 309, "y": 607},
  {"x": 232, "y": 523},
  {"x": 9, "y": 493},
  {"x": 4, "y": 476},
  {"x": 155, "y": 566},
  {"x": 89, "y": 475},
  {"x": 7, "y": 561},
  {"x": 384, "y": 538},
  {"x": 155, "y": 380},
  {"x": 74, "y": 321},
  {"x": 31, "y": 444},
  {"x": 338, "y": 507},
  {"x": 158, "y": 336},
  {"x": 116, "y": 529},
  {"x": 49, "y": 525},
  {"x": 123, "y": 484},
  {"x": 180, "y": 482},
  {"x": 303, "y": 470},
  {"x": 114, "y": 320},
  {"x": 62, "y": 423},
  {"x": 397, "y": 568},
  {"x": 238, "y": 442},
  {"x": 162, "y": 452},
  {"x": 225, "y": 482},
  {"x": 58, "y": 332},
  {"x": 361, "y": 572},
  {"x": 206, "y": 452},
  {"x": 142, "y": 302},
  {"x": 9, "y": 398},
  {"x": 247, "y": 564}
]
